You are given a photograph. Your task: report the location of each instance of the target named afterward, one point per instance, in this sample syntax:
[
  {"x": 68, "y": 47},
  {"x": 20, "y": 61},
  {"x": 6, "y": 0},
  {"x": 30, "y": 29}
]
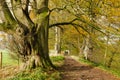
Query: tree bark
[
  {"x": 57, "y": 40},
  {"x": 31, "y": 34},
  {"x": 0, "y": 60},
  {"x": 37, "y": 42},
  {"x": 87, "y": 48},
  {"x": 111, "y": 60}
]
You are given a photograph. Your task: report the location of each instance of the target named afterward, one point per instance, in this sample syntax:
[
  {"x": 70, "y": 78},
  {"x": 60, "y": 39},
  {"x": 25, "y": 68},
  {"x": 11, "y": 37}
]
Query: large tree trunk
[
  {"x": 30, "y": 32},
  {"x": 37, "y": 45}
]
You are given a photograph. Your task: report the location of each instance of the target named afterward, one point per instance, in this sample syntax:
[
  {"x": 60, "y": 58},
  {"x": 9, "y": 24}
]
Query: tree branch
[
  {"x": 58, "y": 9},
  {"x": 70, "y": 23},
  {"x": 7, "y": 13},
  {"x": 26, "y": 13},
  {"x": 82, "y": 27},
  {"x": 78, "y": 30},
  {"x": 63, "y": 23},
  {"x": 23, "y": 16},
  {"x": 58, "y": 24}
]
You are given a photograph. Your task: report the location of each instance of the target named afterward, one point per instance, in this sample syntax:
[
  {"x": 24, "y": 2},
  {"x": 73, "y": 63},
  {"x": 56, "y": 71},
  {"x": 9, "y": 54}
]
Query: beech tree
[
  {"x": 28, "y": 23},
  {"x": 29, "y": 27}
]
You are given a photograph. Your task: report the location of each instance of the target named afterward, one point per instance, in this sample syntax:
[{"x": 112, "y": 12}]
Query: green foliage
[
  {"x": 101, "y": 66},
  {"x": 57, "y": 58},
  {"x": 37, "y": 74},
  {"x": 88, "y": 62},
  {"x": 7, "y": 60}
]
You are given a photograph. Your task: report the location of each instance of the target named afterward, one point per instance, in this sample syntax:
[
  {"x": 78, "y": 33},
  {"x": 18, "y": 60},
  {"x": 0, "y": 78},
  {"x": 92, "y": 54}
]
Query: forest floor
[{"x": 74, "y": 70}]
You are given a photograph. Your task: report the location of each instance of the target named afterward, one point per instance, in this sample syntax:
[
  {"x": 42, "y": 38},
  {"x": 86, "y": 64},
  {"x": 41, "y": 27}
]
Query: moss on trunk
[{"x": 31, "y": 36}]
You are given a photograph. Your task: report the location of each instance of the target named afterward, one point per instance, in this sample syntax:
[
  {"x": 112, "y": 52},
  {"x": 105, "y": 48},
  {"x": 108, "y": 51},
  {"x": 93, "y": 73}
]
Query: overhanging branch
[
  {"x": 58, "y": 24},
  {"x": 59, "y": 9},
  {"x": 75, "y": 25},
  {"x": 63, "y": 23},
  {"x": 96, "y": 27},
  {"x": 78, "y": 30}
]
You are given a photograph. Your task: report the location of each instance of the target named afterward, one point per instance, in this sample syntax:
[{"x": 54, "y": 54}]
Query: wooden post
[
  {"x": 18, "y": 62},
  {"x": 1, "y": 60}
]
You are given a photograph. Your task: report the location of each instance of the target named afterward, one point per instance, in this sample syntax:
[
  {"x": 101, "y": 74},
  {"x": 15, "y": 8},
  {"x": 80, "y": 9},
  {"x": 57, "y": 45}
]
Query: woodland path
[{"x": 73, "y": 70}]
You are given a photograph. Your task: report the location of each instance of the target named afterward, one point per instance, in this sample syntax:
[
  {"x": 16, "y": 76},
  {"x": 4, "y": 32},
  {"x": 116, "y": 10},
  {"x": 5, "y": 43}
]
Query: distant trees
[{"x": 98, "y": 19}]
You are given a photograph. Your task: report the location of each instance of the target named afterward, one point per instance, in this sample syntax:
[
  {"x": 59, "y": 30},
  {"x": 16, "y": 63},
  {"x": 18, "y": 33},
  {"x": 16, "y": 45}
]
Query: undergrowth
[
  {"x": 36, "y": 74},
  {"x": 39, "y": 73},
  {"x": 57, "y": 60},
  {"x": 101, "y": 66}
]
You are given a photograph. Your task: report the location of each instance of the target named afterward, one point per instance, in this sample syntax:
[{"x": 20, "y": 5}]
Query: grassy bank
[
  {"x": 114, "y": 72},
  {"x": 7, "y": 59},
  {"x": 36, "y": 74},
  {"x": 39, "y": 73}
]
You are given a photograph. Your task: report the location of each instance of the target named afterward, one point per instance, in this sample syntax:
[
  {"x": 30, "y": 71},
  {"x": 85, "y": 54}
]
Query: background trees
[{"x": 98, "y": 22}]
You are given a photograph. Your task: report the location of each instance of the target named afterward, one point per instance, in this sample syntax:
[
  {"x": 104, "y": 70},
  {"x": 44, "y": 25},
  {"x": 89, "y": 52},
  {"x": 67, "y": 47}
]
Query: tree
[
  {"x": 28, "y": 22},
  {"x": 29, "y": 27}
]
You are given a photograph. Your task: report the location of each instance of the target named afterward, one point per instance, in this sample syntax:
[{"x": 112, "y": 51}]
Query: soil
[{"x": 74, "y": 70}]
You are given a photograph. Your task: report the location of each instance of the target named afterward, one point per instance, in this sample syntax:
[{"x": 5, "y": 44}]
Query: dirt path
[{"x": 73, "y": 70}]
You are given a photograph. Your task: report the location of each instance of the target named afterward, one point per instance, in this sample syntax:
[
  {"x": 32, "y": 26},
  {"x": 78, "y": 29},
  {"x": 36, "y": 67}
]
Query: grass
[
  {"x": 88, "y": 62},
  {"x": 36, "y": 74},
  {"x": 114, "y": 72},
  {"x": 39, "y": 73},
  {"x": 57, "y": 60},
  {"x": 7, "y": 59}
]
